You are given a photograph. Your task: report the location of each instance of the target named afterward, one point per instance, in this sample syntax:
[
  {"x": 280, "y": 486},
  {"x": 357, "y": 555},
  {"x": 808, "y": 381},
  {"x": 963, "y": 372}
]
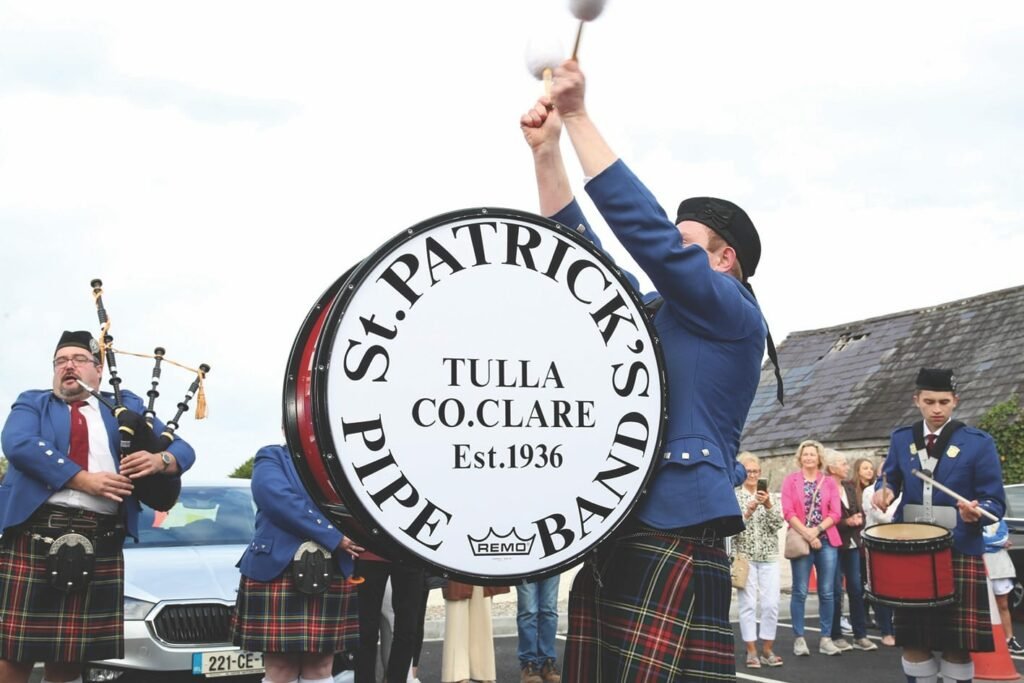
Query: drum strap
[
  {"x": 931, "y": 464},
  {"x": 653, "y": 306}
]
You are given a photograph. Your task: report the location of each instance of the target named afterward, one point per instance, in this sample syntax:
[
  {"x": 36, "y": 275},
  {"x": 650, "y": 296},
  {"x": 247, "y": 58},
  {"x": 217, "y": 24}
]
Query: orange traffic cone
[
  {"x": 812, "y": 584},
  {"x": 995, "y": 666}
]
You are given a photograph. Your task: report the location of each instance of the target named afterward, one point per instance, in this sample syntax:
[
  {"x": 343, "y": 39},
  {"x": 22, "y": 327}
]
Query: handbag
[
  {"x": 796, "y": 545},
  {"x": 738, "y": 571}
]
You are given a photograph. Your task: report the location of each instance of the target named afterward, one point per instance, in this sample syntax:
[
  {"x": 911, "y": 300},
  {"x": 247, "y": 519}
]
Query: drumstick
[{"x": 924, "y": 477}]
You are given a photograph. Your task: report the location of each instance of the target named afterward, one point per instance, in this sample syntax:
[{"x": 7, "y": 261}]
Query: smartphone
[{"x": 762, "y": 484}]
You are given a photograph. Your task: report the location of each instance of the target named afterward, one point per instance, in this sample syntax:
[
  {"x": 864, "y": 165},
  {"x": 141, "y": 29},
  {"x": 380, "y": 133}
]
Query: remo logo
[{"x": 492, "y": 394}]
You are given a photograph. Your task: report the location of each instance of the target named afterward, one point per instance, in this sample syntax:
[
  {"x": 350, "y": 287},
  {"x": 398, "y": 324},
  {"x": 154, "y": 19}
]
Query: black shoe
[{"x": 1014, "y": 647}]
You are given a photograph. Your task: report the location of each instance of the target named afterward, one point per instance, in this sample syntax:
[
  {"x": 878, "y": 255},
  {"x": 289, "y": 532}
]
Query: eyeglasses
[
  {"x": 750, "y": 471},
  {"x": 77, "y": 360}
]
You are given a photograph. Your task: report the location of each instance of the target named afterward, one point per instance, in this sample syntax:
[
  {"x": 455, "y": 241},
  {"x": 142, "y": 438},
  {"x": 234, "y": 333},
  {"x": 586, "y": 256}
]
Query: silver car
[{"x": 180, "y": 586}]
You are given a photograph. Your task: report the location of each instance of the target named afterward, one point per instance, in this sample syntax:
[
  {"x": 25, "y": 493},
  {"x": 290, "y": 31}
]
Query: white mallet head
[
  {"x": 586, "y": 10},
  {"x": 543, "y": 53}
]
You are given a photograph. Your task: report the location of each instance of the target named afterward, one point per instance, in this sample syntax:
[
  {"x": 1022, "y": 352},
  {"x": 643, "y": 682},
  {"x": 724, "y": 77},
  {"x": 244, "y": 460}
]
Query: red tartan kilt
[
  {"x": 964, "y": 625},
  {"x": 660, "y": 613},
  {"x": 272, "y": 616},
  {"x": 41, "y": 624}
]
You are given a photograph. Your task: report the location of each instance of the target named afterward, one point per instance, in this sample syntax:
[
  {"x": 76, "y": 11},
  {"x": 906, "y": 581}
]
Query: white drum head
[{"x": 492, "y": 393}]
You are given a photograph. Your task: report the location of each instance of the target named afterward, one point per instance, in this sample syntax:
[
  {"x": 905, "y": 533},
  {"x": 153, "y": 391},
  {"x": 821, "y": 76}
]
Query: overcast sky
[{"x": 219, "y": 164}]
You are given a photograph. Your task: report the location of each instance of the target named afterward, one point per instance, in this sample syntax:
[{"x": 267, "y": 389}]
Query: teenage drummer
[{"x": 961, "y": 459}]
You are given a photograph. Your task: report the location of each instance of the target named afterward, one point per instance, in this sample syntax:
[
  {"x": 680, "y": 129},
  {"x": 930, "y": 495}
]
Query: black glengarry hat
[
  {"x": 730, "y": 222},
  {"x": 936, "y": 379},
  {"x": 82, "y": 339}
]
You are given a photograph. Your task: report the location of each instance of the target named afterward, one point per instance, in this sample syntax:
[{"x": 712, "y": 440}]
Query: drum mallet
[
  {"x": 584, "y": 10},
  {"x": 925, "y": 478},
  {"x": 543, "y": 54}
]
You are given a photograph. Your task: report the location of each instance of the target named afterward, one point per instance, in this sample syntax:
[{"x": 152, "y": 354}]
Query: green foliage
[
  {"x": 1005, "y": 422},
  {"x": 244, "y": 471},
  {"x": 3, "y": 467}
]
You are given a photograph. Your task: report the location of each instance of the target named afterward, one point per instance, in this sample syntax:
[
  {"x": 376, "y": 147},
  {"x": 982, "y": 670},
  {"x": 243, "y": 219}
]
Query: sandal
[
  {"x": 771, "y": 659},
  {"x": 753, "y": 662}
]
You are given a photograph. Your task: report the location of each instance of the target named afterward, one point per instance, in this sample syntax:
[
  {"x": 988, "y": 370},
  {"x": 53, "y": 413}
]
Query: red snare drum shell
[{"x": 909, "y": 565}]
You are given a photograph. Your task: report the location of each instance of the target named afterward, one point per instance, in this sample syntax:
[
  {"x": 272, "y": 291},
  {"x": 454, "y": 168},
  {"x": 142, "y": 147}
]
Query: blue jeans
[
  {"x": 824, "y": 561},
  {"x": 537, "y": 619},
  {"x": 849, "y": 566}
]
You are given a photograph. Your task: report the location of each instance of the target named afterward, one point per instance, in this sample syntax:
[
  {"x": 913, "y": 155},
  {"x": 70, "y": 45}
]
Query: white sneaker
[
  {"x": 864, "y": 644},
  {"x": 842, "y": 645},
  {"x": 827, "y": 647},
  {"x": 800, "y": 647},
  {"x": 845, "y": 627}
]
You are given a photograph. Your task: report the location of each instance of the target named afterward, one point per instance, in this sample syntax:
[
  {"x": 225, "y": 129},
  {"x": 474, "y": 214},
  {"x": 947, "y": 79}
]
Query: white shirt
[{"x": 100, "y": 460}]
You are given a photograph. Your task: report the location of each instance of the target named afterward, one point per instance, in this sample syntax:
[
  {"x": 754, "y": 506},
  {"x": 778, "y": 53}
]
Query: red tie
[
  {"x": 78, "y": 449},
  {"x": 930, "y": 445}
]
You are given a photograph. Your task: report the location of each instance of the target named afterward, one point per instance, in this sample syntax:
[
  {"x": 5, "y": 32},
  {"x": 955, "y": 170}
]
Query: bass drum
[
  {"x": 483, "y": 395},
  {"x": 298, "y": 419}
]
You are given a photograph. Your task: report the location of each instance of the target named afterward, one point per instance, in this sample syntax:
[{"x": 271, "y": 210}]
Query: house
[{"x": 850, "y": 385}]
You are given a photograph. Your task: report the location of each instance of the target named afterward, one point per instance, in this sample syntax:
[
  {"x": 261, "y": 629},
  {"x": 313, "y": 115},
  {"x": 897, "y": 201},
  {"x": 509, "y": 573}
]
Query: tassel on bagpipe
[{"x": 158, "y": 491}]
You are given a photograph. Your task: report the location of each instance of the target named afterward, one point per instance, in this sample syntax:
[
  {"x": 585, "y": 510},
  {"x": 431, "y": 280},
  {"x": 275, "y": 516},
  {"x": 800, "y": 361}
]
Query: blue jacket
[
  {"x": 713, "y": 336},
  {"x": 35, "y": 441},
  {"x": 286, "y": 517},
  {"x": 969, "y": 465}
]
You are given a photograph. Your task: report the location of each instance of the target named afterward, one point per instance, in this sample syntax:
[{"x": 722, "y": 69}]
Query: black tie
[{"x": 930, "y": 445}]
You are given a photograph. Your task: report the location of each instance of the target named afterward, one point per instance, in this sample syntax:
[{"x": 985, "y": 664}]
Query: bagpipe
[{"x": 137, "y": 432}]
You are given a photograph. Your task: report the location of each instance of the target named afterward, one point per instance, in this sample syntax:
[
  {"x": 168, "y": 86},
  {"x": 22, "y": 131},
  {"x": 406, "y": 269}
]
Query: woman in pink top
[{"x": 811, "y": 505}]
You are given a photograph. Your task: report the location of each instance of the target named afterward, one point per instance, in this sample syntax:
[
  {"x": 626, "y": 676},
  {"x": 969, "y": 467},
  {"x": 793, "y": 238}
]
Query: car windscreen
[
  {"x": 1014, "y": 501},
  {"x": 203, "y": 515}
]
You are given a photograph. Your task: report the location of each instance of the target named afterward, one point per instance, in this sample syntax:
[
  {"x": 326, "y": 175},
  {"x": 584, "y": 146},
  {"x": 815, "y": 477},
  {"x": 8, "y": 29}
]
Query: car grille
[{"x": 187, "y": 624}]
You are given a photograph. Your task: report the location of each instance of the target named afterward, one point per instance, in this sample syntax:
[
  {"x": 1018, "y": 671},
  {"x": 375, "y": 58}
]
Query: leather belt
[
  {"x": 708, "y": 535},
  {"x": 63, "y": 519}
]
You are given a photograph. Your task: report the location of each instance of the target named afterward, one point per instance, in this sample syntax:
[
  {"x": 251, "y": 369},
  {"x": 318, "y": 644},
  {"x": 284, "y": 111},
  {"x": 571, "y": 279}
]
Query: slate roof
[{"x": 851, "y": 385}]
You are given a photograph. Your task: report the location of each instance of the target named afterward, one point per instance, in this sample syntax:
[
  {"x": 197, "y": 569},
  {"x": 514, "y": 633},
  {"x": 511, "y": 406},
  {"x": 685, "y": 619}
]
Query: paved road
[
  {"x": 879, "y": 666},
  {"x": 852, "y": 667}
]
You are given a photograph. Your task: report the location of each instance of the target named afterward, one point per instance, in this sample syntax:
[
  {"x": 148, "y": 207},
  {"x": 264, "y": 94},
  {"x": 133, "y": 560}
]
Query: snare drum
[{"x": 909, "y": 565}]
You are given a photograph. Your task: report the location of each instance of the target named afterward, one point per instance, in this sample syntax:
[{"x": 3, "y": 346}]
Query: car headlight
[{"x": 136, "y": 610}]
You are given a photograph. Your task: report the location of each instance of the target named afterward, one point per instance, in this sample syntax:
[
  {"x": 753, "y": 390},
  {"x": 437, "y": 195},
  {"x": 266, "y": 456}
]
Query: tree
[
  {"x": 1005, "y": 422},
  {"x": 244, "y": 471}
]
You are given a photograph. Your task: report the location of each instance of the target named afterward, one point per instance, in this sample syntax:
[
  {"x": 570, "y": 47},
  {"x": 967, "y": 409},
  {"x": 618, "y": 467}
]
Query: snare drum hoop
[
  {"x": 910, "y": 545},
  {"x": 910, "y": 604},
  {"x": 321, "y": 365}
]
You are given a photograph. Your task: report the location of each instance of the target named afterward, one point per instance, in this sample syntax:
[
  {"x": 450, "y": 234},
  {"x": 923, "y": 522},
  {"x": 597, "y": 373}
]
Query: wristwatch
[{"x": 165, "y": 458}]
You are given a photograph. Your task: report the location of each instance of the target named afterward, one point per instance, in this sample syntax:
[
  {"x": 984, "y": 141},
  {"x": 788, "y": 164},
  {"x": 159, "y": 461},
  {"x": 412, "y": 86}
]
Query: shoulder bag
[{"x": 796, "y": 545}]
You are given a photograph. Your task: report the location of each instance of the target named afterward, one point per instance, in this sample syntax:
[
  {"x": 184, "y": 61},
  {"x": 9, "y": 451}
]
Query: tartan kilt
[
  {"x": 660, "y": 613},
  {"x": 41, "y": 624},
  {"x": 271, "y": 616},
  {"x": 964, "y": 625}
]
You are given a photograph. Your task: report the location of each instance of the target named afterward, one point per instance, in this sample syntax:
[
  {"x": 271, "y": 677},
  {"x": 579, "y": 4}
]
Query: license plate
[{"x": 213, "y": 664}]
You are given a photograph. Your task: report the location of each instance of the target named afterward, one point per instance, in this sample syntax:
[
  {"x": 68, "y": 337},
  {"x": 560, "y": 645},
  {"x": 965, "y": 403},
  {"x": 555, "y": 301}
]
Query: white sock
[
  {"x": 923, "y": 672},
  {"x": 955, "y": 671},
  {"x": 267, "y": 680},
  {"x": 329, "y": 679}
]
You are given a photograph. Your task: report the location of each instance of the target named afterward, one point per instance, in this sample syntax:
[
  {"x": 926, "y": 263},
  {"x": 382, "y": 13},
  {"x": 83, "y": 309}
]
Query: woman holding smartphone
[{"x": 759, "y": 543}]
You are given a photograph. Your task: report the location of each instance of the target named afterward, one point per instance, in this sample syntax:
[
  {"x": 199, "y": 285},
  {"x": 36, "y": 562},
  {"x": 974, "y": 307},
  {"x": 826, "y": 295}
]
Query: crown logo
[{"x": 495, "y": 545}]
